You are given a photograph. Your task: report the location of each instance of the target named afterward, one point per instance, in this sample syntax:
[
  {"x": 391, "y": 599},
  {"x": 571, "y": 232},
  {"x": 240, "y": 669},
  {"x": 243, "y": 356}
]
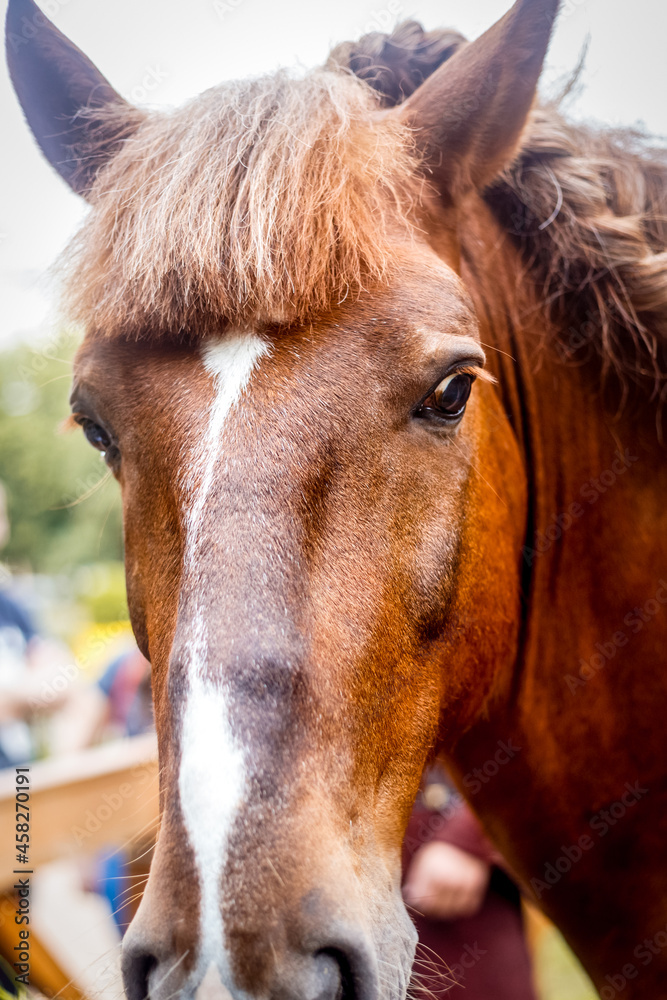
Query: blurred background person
[
  {"x": 466, "y": 908},
  {"x": 29, "y": 668}
]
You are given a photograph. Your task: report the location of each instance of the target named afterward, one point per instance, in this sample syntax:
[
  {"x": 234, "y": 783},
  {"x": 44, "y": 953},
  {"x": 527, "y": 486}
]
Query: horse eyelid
[{"x": 475, "y": 371}]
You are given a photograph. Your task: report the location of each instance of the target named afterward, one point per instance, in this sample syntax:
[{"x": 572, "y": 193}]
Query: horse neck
[
  {"x": 588, "y": 471},
  {"x": 521, "y": 348},
  {"x": 566, "y": 432},
  {"x": 594, "y": 615}
]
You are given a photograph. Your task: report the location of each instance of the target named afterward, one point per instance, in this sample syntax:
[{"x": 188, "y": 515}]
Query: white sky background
[{"x": 180, "y": 47}]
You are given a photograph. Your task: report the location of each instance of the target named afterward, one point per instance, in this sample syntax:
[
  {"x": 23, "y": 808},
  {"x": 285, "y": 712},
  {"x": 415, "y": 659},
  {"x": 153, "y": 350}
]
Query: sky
[{"x": 161, "y": 52}]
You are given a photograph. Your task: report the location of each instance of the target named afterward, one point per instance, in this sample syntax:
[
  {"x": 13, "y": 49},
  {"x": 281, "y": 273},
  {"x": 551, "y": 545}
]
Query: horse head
[{"x": 323, "y": 498}]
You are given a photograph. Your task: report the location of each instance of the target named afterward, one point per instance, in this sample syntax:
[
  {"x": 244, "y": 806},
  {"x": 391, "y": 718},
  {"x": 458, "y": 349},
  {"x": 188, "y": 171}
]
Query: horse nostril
[
  {"x": 345, "y": 974},
  {"x": 137, "y": 966},
  {"x": 330, "y": 976}
]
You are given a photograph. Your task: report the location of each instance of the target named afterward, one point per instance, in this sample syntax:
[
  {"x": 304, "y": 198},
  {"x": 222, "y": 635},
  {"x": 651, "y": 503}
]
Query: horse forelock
[{"x": 261, "y": 201}]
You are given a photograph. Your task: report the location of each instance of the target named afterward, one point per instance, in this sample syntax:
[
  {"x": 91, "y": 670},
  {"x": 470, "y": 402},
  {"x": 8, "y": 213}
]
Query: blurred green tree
[{"x": 64, "y": 506}]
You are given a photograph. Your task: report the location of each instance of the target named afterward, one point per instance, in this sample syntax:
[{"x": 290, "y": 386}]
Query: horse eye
[
  {"x": 450, "y": 397},
  {"x": 96, "y": 435},
  {"x": 99, "y": 438}
]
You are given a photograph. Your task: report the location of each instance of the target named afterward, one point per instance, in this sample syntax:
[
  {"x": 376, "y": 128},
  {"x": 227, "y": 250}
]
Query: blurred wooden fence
[{"x": 102, "y": 798}]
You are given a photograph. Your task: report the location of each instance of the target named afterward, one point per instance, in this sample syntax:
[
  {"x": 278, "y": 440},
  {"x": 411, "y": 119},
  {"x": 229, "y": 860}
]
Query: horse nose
[
  {"x": 327, "y": 978},
  {"x": 151, "y": 969},
  {"x": 318, "y": 978},
  {"x": 335, "y": 973},
  {"x": 137, "y": 965},
  {"x": 341, "y": 972}
]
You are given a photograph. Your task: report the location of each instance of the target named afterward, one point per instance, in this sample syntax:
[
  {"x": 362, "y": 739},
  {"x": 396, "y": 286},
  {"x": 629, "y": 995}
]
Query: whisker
[
  {"x": 56, "y": 378},
  {"x": 85, "y": 496},
  {"x": 475, "y": 467},
  {"x": 172, "y": 969}
]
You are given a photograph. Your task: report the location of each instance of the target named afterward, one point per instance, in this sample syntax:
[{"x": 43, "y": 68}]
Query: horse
[{"x": 377, "y": 355}]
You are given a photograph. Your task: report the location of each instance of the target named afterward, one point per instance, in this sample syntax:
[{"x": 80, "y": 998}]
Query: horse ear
[
  {"x": 469, "y": 115},
  {"x": 60, "y": 91}
]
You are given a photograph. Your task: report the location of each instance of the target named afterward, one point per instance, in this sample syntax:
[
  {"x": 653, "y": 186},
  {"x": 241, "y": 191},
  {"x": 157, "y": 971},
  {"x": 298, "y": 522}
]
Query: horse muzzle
[{"x": 341, "y": 965}]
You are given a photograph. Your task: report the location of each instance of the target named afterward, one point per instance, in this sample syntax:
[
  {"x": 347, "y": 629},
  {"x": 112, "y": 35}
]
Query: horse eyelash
[
  {"x": 477, "y": 372},
  {"x": 69, "y": 424}
]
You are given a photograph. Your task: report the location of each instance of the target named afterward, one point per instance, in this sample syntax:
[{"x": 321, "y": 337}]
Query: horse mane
[
  {"x": 260, "y": 201},
  {"x": 587, "y": 208}
]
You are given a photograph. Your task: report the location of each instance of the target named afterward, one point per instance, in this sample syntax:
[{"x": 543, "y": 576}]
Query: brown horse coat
[{"x": 336, "y": 560}]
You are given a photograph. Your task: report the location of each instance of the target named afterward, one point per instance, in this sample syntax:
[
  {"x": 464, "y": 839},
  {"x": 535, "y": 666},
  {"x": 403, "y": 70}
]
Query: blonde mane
[{"x": 265, "y": 201}]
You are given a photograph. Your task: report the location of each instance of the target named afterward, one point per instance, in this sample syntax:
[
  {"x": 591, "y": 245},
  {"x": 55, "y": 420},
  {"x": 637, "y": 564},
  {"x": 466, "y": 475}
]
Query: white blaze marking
[
  {"x": 231, "y": 362},
  {"x": 211, "y": 784},
  {"x": 211, "y": 988},
  {"x": 212, "y": 773}
]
